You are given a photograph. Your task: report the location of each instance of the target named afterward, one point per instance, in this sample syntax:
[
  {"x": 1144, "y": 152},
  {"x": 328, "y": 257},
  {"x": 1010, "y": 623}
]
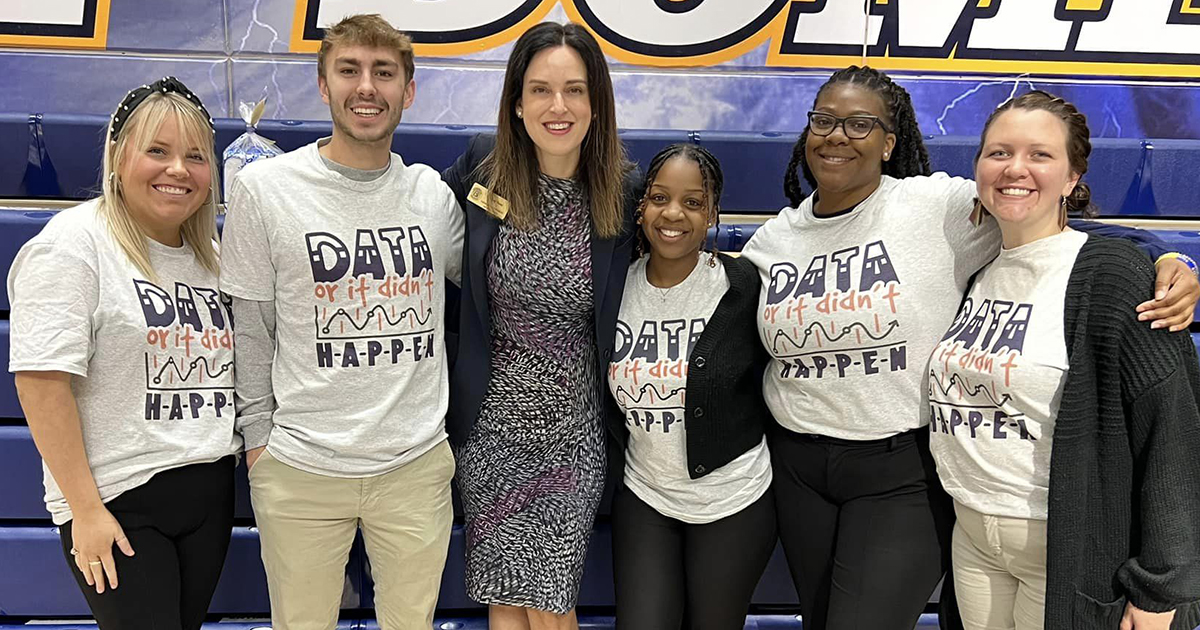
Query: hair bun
[{"x": 1079, "y": 202}]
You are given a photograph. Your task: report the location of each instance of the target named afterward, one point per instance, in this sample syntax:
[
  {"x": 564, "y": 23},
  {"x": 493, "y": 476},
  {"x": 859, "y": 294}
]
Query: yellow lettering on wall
[{"x": 1084, "y": 5}]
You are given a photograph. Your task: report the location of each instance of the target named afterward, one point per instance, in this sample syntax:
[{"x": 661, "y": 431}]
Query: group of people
[{"x": 904, "y": 375}]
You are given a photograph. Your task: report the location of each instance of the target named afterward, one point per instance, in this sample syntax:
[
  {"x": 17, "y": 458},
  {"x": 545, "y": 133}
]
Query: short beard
[{"x": 351, "y": 134}]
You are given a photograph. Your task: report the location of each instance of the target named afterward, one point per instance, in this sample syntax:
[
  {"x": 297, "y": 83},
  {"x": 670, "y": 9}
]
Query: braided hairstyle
[
  {"x": 909, "y": 157},
  {"x": 710, "y": 175},
  {"x": 1079, "y": 144}
]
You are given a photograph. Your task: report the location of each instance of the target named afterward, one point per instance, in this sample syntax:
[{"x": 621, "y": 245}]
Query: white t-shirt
[
  {"x": 152, "y": 360},
  {"x": 356, "y": 271},
  {"x": 853, "y": 304},
  {"x": 656, "y": 330},
  {"x": 996, "y": 379}
]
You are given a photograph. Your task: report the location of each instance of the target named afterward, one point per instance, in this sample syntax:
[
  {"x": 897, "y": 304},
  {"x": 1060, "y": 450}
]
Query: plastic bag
[{"x": 249, "y": 146}]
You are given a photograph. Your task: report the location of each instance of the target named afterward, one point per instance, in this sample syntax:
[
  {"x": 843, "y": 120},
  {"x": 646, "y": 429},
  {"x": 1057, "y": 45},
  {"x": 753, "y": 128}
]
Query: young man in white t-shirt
[{"x": 335, "y": 255}]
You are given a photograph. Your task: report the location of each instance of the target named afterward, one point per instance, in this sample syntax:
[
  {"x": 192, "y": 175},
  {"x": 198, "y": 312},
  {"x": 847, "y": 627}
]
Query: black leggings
[
  {"x": 667, "y": 571},
  {"x": 865, "y": 527},
  {"x": 178, "y": 524}
]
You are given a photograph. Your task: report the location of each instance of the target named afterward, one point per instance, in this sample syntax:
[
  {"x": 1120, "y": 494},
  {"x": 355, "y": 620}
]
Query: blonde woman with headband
[{"x": 123, "y": 354}]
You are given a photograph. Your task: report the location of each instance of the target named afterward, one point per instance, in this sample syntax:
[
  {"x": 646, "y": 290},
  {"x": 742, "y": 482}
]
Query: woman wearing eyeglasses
[{"x": 860, "y": 281}]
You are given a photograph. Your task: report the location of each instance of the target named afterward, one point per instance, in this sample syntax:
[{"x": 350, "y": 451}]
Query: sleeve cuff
[{"x": 256, "y": 434}]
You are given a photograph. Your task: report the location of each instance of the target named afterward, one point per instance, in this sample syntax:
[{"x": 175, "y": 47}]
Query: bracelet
[{"x": 1183, "y": 258}]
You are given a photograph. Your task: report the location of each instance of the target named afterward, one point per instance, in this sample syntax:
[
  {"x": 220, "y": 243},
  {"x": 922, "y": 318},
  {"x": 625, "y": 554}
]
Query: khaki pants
[
  {"x": 307, "y": 523},
  {"x": 999, "y": 571}
]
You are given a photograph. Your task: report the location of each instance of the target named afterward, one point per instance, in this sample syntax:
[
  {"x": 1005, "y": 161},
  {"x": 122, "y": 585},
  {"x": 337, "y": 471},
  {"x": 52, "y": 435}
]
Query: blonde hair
[
  {"x": 141, "y": 127},
  {"x": 369, "y": 30}
]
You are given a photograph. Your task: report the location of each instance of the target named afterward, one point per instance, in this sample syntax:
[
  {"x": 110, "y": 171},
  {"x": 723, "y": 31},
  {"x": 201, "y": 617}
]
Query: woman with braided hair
[
  {"x": 693, "y": 518},
  {"x": 860, "y": 281},
  {"x": 1085, "y": 513}
]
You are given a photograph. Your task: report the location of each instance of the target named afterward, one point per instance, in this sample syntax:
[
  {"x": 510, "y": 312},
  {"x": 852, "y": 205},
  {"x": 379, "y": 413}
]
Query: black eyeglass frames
[{"x": 855, "y": 127}]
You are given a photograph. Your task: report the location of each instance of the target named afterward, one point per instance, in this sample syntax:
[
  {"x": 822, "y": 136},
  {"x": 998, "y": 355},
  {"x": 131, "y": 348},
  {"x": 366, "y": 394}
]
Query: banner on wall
[
  {"x": 54, "y": 23},
  {"x": 1133, "y": 38}
]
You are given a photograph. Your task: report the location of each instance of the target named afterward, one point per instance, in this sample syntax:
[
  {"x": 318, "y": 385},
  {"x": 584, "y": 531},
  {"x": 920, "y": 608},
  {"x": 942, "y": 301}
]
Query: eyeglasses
[{"x": 855, "y": 127}]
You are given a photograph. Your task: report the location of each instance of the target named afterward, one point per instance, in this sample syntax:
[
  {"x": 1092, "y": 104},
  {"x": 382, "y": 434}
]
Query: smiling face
[
  {"x": 1023, "y": 171},
  {"x": 675, "y": 219},
  {"x": 166, "y": 183},
  {"x": 556, "y": 108},
  {"x": 367, "y": 91},
  {"x": 844, "y": 167}
]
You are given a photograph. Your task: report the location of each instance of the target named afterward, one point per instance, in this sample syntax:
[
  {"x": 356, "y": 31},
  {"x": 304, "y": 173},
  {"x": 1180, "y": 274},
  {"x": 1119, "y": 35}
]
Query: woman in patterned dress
[{"x": 549, "y": 205}]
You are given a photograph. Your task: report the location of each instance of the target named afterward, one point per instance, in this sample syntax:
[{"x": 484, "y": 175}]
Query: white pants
[{"x": 999, "y": 571}]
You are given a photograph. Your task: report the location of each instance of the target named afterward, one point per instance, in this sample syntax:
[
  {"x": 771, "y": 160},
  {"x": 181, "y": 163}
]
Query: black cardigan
[
  {"x": 725, "y": 412},
  {"x": 470, "y": 330},
  {"x": 1124, "y": 518}
]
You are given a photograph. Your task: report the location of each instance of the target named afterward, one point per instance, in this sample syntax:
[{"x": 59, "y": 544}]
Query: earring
[
  {"x": 977, "y": 213},
  {"x": 1062, "y": 214},
  {"x": 519, "y": 113},
  {"x": 886, "y": 155}
]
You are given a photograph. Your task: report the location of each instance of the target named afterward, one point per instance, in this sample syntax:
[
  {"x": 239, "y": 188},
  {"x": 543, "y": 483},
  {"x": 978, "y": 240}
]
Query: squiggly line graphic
[
  {"x": 846, "y": 330},
  {"x": 421, "y": 321},
  {"x": 647, "y": 390},
  {"x": 207, "y": 367},
  {"x": 968, "y": 390}
]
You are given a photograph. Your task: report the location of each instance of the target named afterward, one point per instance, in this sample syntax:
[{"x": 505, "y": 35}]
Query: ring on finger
[{"x": 94, "y": 563}]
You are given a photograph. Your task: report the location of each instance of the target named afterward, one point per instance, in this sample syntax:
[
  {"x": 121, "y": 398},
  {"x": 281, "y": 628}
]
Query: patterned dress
[{"x": 532, "y": 471}]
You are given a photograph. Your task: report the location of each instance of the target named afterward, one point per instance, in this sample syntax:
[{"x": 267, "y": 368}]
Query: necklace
[{"x": 664, "y": 292}]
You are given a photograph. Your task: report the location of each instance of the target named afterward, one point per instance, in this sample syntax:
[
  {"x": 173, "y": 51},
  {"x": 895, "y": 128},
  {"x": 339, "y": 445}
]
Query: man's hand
[{"x": 252, "y": 456}]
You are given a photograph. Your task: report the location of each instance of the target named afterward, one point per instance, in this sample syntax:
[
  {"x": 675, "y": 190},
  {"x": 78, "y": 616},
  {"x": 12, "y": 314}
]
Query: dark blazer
[
  {"x": 471, "y": 352},
  {"x": 725, "y": 412}
]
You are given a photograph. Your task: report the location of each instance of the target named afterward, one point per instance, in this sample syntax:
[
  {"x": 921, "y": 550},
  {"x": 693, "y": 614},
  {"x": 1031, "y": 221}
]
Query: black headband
[{"x": 137, "y": 95}]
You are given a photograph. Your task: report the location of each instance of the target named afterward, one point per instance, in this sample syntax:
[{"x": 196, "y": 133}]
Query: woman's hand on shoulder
[{"x": 1176, "y": 291}]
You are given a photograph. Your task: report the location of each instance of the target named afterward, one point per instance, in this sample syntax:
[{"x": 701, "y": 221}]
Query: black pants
[
  {"x": 178, "y": 524},
  {"x": 667, "y": 571},
  {"x": 865, "y": 527}
]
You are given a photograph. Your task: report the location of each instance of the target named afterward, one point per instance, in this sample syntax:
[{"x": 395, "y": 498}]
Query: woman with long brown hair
[{"x": 549, "y": 205}]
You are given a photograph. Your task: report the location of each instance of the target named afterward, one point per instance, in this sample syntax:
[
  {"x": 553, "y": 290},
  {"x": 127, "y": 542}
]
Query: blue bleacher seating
[
  {"x": 14, "y": 152},
  {"x": 17, "y": 228},
  {"x": 21, "y": 470},
  {"x": 753, "y": 165},
  {"x": 753, "y": 162},
  {"x": 641, "y": 145},
  {"x": 35, "y": 580}
]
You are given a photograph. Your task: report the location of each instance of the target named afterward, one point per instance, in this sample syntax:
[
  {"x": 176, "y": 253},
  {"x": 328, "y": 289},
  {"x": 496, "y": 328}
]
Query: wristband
[{"x": 1183, "y": 258}]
